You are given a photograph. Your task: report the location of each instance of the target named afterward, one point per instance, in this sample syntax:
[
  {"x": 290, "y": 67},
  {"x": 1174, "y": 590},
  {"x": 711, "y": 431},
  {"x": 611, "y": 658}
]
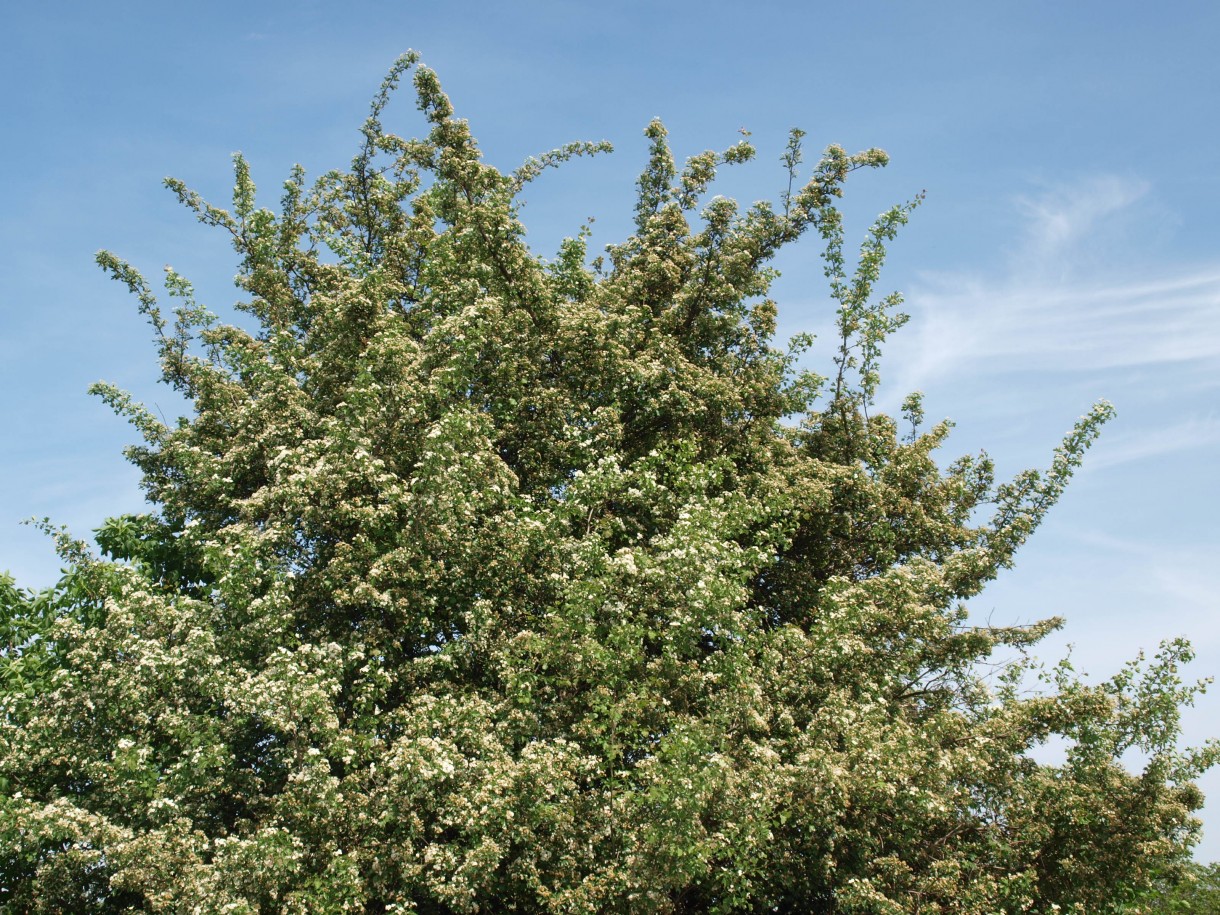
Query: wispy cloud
[
  {"x": 1186, "y": 435},
  {"x": 1068, "y": 300},
  {"x": 1064, "y": 219},
  {"x": 1177, "y": 581}
]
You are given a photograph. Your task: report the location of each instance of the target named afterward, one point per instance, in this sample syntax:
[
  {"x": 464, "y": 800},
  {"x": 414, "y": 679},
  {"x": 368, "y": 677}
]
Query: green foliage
[
  {"x": 28, "y": 650},
  {"x": 1194, "y": 891},
  {"x": 482, "y": 582}
]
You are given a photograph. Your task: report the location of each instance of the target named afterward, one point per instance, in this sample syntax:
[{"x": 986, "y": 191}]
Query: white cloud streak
[
  {"x": 1176, "y": 582},
  {"x": 1065, "y": 302},
  {"x": 1192, "y": 433},
  {"x": 1065, "y": 219}
]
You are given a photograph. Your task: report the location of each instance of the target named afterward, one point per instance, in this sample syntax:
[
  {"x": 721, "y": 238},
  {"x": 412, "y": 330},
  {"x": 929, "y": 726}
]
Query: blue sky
[{"x": 1067, "y": 250}]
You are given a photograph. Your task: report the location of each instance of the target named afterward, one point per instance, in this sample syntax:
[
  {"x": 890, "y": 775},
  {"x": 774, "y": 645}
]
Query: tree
[{"x": 482, "y": 582}]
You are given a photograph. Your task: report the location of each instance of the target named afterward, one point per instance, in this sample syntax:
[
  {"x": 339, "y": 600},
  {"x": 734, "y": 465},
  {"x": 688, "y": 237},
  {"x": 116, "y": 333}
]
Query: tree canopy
[{"x": 479, "y": 581}]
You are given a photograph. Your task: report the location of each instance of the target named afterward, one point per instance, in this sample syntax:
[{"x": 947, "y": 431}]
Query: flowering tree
[{"x": 483, "y": 582}]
